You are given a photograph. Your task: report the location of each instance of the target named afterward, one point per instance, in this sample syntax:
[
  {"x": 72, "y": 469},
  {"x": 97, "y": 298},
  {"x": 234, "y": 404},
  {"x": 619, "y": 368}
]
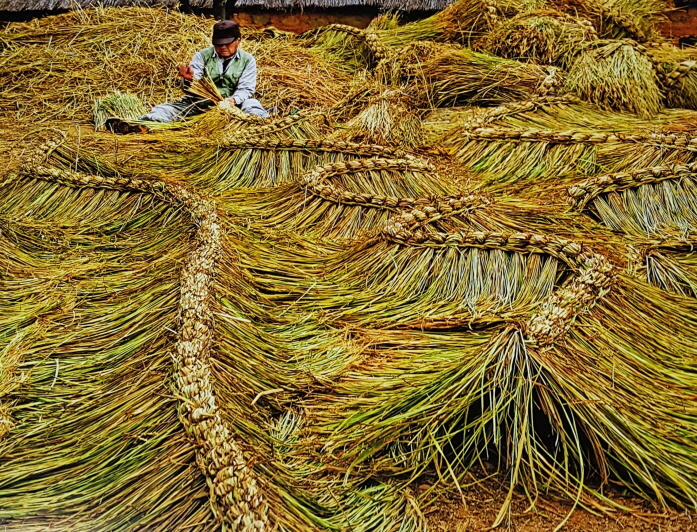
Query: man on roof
[{"x": 232, "y": 70}]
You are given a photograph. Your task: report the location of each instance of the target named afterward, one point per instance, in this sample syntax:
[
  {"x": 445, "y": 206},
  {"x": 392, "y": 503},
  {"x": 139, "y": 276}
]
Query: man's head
[{"x": 226, "y": 37}]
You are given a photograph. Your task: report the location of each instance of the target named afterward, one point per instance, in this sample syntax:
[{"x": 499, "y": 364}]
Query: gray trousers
[{"x": 188, "y": 106}]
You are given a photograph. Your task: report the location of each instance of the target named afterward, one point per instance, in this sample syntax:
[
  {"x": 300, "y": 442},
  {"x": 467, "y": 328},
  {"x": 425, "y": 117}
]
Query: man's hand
[
  {"x": 186, "y": 72},
  {"x": 232, "y": 101}
]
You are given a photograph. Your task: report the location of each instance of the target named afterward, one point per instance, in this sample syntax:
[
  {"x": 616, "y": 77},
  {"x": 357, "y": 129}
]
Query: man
[{"x": 232, "y": 70}]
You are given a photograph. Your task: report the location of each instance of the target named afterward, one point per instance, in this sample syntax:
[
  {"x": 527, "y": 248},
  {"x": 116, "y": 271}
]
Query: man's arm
[
  {"x": 247, "y": 83},
  {"x": 197, "y": 65}
]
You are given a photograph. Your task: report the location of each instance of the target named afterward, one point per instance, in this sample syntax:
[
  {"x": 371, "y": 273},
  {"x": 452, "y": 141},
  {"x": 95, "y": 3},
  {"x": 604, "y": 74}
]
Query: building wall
[
  {"x": 299, "y": 22},
  {"x": 682, "y": 22}
]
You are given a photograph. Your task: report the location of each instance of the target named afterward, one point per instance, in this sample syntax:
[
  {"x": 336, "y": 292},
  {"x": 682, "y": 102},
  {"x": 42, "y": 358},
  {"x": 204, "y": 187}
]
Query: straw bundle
[
  {"x": 508, "y": 154},
  {"x": 462, "y": 21},
  {"x": 616, "y": 75},
  {"x": 293, "y": 77},
  {"x": 390, "y": 118},
  {"x": 205, "y": 88},
  {"x": 655, "y": 208},
  {"x": 348, "y": 198},
  {"x": 257, "y": 162},
  {"x": 121, "y": 105},
  {"x": 449, "y": 74},
  {"x": 351, "y": 46},
  {"x": 633, "y": 19},
  {"x": 92, "y": 54},
  {"x": 538, "y": 37},
  {"x": 677, "y": 72}
]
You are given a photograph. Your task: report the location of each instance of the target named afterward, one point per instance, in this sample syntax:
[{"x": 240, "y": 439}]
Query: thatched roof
[
  {"x": 53, "y": 5},
  {"x": 50, "y": 5}
]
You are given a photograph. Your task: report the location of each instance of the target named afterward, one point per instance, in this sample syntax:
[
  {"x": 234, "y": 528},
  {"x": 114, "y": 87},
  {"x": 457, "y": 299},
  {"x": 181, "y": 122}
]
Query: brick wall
[
  {"x": 681, "y": 22},
  {"x": 299, "y": 22}
]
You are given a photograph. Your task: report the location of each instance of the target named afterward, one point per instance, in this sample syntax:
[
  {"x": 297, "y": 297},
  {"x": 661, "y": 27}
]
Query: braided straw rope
[
  {"x": 670, "y": 140},
  {"x": 423, "y": 211},
  {"x": 235, "y": 495},
  {"x": 485, "y": 116},
  {"x": 261, "y": 126},
  {"x": 557, "y": 313},
  {"x": 414, "y": 211},
  {"x": 567, "y": 251},
  {"x": 593, "y": 279},
  {"x": 585, "y": 191},
  {"x": 353, "y": 148},
  {"x": 317, "y": 181}
]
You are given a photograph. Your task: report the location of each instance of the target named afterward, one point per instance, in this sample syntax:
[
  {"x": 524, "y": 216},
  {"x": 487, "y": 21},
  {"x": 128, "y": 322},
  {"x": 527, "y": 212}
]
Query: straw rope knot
[{"x": 558, "y": 312}]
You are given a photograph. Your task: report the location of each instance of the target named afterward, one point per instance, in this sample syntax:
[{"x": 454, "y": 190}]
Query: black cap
[{"x": 225, "y": 32}]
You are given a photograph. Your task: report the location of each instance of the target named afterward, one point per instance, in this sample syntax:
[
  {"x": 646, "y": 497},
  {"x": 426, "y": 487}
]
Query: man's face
[{"x": 227, "y": 50}]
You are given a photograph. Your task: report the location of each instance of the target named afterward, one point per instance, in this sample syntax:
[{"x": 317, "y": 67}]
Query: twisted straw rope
[
  {"x": 415, "y": 211},
  {"x": 424, "y": 211},
  {"x": 235, "y": 496},
  {"x": 670, "y": 140},
  {"x": 593, "y": 279},
  {"x": 557, "y": 313},
  {"x": 353, "y": 148},
  {"x": 487, "y": 116},
  {"x": 317, "y": 181},
  {"x": 260, "y": 126},
  {"x": 567, "y": 251},
  {"x": 585, "y": 191}
]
